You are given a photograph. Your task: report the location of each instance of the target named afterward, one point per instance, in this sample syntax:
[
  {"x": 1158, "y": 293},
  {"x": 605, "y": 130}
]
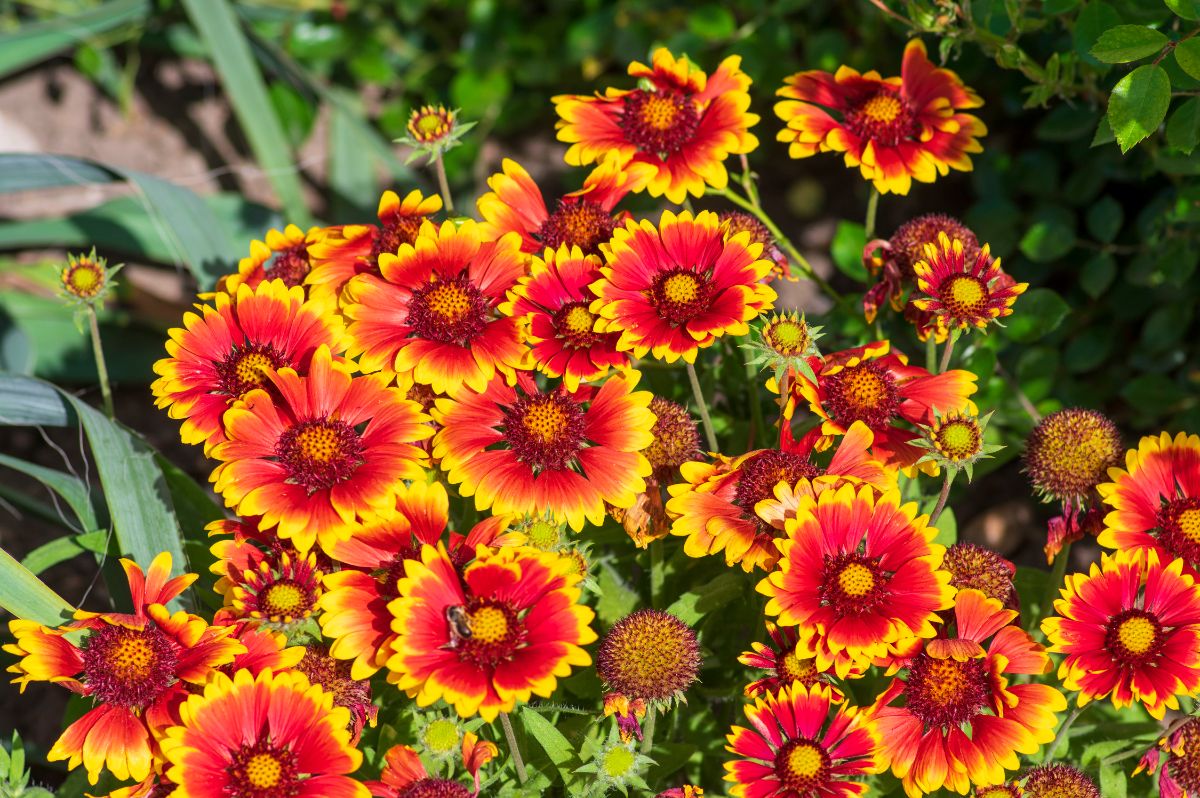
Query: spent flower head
[
  {"x": 433, "y": 130},
  {"x": 1069, "y": 453}
]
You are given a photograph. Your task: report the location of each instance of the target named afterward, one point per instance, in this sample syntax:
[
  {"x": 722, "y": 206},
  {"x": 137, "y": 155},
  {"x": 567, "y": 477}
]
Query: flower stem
[
  {"x": 657, "y": 571},
  {"x": 951, "y": 473},
  {"x": 1056, "y": 578},
  {"x": 101, "y": 367},
  {"x": 780, "y": 239},
  {"x": 511, "y": 737},
  {"x": 1062, "y": 732},
  {"x": 702, "y": 406},
  {"x": 748, "y": 181},
  {"x": 948, "y": 351},
  {"x": 930, "y": 352},
  {"x": 785, "y": 387},
  {"x": 648, "y": 730},
  {"x": 872, "y": 207},
  {"x": 757, "y": 424},
  {"x": 444, "y": 185}
]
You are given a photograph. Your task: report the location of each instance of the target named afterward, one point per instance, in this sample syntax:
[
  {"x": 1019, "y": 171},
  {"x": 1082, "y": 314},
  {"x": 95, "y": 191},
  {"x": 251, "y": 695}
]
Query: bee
[{"x": 460, "y": 625}]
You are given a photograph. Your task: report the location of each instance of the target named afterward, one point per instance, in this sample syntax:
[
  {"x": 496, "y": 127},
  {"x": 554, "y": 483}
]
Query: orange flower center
[
  {"x": 545, "y": 430},
  {"x": 290, "y": 265},
  {"x": 450, "y": 311},
  {"x": 864, "y": 392},
  {"x": 856, "y": 580},
  {"x": 1178, "y": 525},
  {"x": 245, "y": 368},
  {"x": 262, "y": 770},
  {"x": 1134, "y": 637},
  {"x": 661, "y": 123},
  {"x": 84, "y": 279},
  {"x": 649, "y": 655},
  {"x": 574, "y": 323},
  {"x": 319, "y": 454},
  {"x": 679, "y": 295},
  {"x": 958, "y": 439},
  {"x": 853, "y": 584},
  {"x": 884, "y": 118},
  {"x": 946, "y": 692},
  {"x": 397, "y": 230},
  {"x": 802, "y": 766},
  {"x": 128, "y": 667},
  {"x": 578, "y": 223},
  {"x": 489, "y": 625},
  {"x": 494, "y": 632},
  {"x": 882, "y": 108},
  {"x": 965, "y": 297},
  {"x": 792, "y": 668},
  {"x": 285, "y": 598}
]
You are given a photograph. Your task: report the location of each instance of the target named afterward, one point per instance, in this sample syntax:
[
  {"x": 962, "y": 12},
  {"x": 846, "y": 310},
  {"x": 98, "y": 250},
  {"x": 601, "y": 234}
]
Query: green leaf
[
  {"x": 26, "y": 596},
  {"x": 351, "y": 176},
  {"x": 1183, "y": 128},
  {"x": 1126, "y": 43},
  {"x": 35, "y": 42},
  {"x": 26, "y": 402},
  {"x": 1037, "y": 313},
  {"x": 1113, "y": 783},
  {"x": 1104, "y": 219},
  {"x": 66, "y": 548},
  {"x": 1187, "y": 55},
  {"x": 1047, "y": 239},
  {"x": 1188, "y": 9},
  {"x": 1098, "y": 274},
  {"x": 617, "y": 599},
  {"x": 218, "y": 27},
  {"x": 712, "y": 22},
  {"x": 694, "y": 605},
  {"x": 70, "y": 488},
  {"x": 847, "y": 249},
  {"x": 1138, "y": 104}
]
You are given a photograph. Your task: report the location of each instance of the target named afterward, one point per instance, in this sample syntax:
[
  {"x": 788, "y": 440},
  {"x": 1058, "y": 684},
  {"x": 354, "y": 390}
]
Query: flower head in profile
[
  {"x": 232, "y": 346},
  {"x": 963, "y": 292},
  {"x": 339, "y": 253},
  {"x": 1153, "y": 503},
  {"x": 274, "y": 734},
  {"x": 134, "y": 667},
  {"x": 800, "y": 742},
  {"x": 1179, "y": 760},
  {"x": 962, "y": 720},
  {"x": 584, "y": 218},
  {"x": 320, "y": 452},
  {"x": 893, "y": 130},
  {"x": 279, "y": 256},
  {"x": 554, "y": 301},
  {"x": 1130, "y": 629},
  {"x": 432, "y": 311},
  {"x": 520, "y": 450},
  {"x": 508, "y": 628},
  {"x": 673, "y": 290},
  {"x": 681, "y": 122},
  {"x": 859, "y": 574}
]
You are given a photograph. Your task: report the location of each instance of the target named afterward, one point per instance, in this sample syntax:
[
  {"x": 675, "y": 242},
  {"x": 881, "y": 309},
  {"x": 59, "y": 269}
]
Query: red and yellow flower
[
  {"x": 280, "y": 256},
  {"x": 340, "y": 253},
  {"x": 326, "y": 450},
  {"x": 1155, "y": 499},
  {"x": 962, "y": 722},
  {"x": 565, "y": 453},
  {"x": 582, "y": 218},
  {"x": 273, "y": 734},
  {"x": 354, "y": 606},
  {"x": 801, "y": 743},
  {"x": 404, "y": 774},
  {"x": 432, "y": 311},
  {"x": 893, "y": 130},
  {"x": 782, "y": 664},
  {"x": 1180, "y": 777},
  {"x": 879, "y": 388},
  {"x": 278, "y": 587},
  {"x": 858, "y": 573},
  {"x": 1130, "y": 628},
  {"x": 554, "y": 300},
  {"x": 673, "y": 290},
  {"x": 717, "y": 506},
  {"x": 133, "y": 666},
  {"x": 509, "y": 628},
  {"x": 229, "y": 349},
  {"x": 962, "y": 292},
  {"x": 891, "y": 262},
  {"x": 682, "y": 122}
]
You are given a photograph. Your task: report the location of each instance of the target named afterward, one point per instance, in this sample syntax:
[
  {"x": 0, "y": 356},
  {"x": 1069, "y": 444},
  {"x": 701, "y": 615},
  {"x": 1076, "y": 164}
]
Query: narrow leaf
[
  {"x": 65, "y": 548},
  {"x": 1126, "y": 43},
  {"x": 26, "y": 596},
  {"x": 26, "y": 402},
  {"x": 552, "y": 741},
  {"x": 1138, "y": 104},
  {"x": 72, "y": 489},
  {"x": 35, "y": 42}
]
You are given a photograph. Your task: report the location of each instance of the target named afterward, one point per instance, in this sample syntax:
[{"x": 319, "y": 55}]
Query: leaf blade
[
  {"x": 1126, "y": 43},
  {"x": 1138, "y": 104},
  {"x": 26, "y": 596}
]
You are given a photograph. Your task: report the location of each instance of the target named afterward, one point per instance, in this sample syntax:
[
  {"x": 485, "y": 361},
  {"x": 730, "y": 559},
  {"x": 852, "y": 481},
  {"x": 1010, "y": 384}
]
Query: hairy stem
[
  {"x": 951, "y": 473},
  {"x": 511, "y": 737},
  {"x": 1062, "y": 732},
  {"x": 948, "y": 351},
  {"x": 709, "y": 435},
  {"x": 101, "y": 366},
  {"x": 648, "y": 730},
  {"x": 443, "y": 184}
]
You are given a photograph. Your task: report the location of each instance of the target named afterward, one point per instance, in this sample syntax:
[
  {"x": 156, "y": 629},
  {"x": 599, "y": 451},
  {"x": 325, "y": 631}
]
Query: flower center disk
[
  {"x": 574, "y": 323},
  {"x": 966, "y": 297},
  {"x": 545, "y": 430},
  {"x": 496, "y": 632},
  {"x": 659, "y": 122},
  {"x": 946, "y": 692},
  {"x": 263, "y": 771},
  {"x": 680, "y": 295},
  {"x": 1178, "y": 525},
  {"x": 864, "y": 392},
  {"x": 286, "y": 597},
  {"x": 1133, "y": 637},
  {"x": 245, "y": 368},
  {"x": 448, "y": 311},
  {"x": 884, "y": 117},
  {"x": 128, "y": 667},
  {"x": 802, "y": 766},
  {"x": 319, "y": 454},
  {"x": 579, "y": 223},
  {"x": 853, "y": 584},
  {"x": 290, "y": 265}
]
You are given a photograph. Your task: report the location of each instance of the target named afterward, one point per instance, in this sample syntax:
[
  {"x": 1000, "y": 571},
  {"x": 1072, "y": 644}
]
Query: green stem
[
  {"x": 757, "y": 423},
  {"x": 780, "y": 239},
  {"x": 444, "y": 185},
  {"x": 930, "y": 353},
  {"x": 748, "y": 181},
  {"x": 1056, "y": 579},
  {"x": 511, "y": 737},
  {"x": 657, "y": 572},
  {"x": 702, "y": 406},
  {"x": 872, "y": 207},
  {"x": 1062, "y": 732},
  {"x": 101, "y": 367},
  {"x": 948, "y": 351},
  {"x": 648, "y": 730},
  {"x": 785, "y": 387},
  {"x": 951, "y": 473}
]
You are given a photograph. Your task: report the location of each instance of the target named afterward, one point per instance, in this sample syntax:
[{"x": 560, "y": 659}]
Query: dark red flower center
[
  {"x": 884, "y": 117},
  {"x": 129, "y": 667},
  {"x": 545, "y": 430},
  {"x": 245, "y": 367},
  {"x": 320, "y": 453},
  {"x": 496, "y": 632},
  {"x": 1134, "y": 637},
  {"x": 759, "y": 475},
  {"x": 449, "y": 311},
  {"x": 964, "y": 296},
  {"x": 574, "y": 322},
  {"x": 263, "y": 770},
  {"x": 680, "y": 295},
  {"x": 435, "y": 788},
  {"x": 946, "y": 692},
  {"x": 659, "y": 122},
  {"x": 1178, "y": 525},
  {"x": 865, "y": 392},
  {"x": 396, "y": 230},
  {"x": 290, "y": 265},
  {"x": 802, "y": 767},
  {"x": 577, "y": 223},
  {"x": 791, "y": 668},
  {"x": 1184, "y": 764},
  {"x": 853, "y": 584}
]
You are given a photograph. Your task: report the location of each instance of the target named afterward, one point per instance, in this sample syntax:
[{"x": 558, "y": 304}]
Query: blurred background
[{"x": 169, "y": 133}]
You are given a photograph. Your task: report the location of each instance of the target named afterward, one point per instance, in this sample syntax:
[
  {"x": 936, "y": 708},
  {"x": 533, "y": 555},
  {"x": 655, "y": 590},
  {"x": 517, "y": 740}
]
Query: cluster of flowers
[{"x": 343, "y": 377}]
